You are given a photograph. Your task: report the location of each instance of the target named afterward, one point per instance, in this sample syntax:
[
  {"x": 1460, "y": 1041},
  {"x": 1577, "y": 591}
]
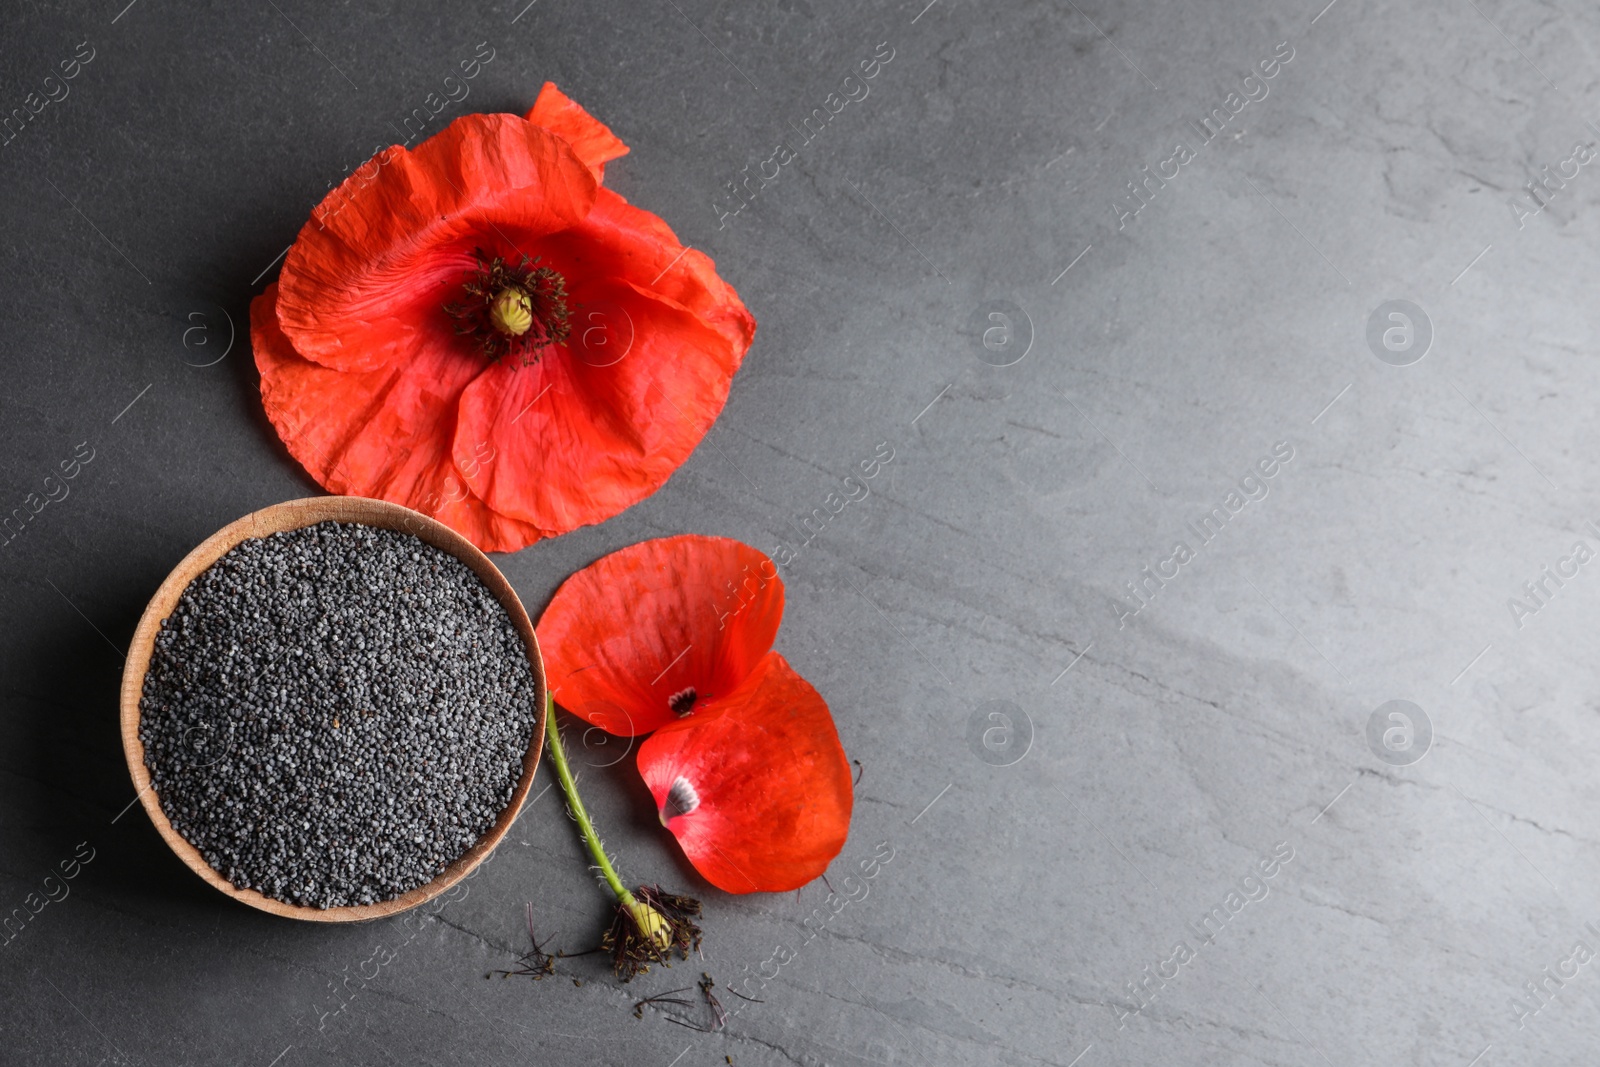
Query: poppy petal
[
  {"x": 377, "y": 433},
  {"x": 610, "y": 433},
  {"x": 685, "y": 617},
  {"x": 618, "y": 238},
  {"x": 590, "y": 138},
  {"x": 380, "y": 254},
  {"x": 758, "y": 791}
]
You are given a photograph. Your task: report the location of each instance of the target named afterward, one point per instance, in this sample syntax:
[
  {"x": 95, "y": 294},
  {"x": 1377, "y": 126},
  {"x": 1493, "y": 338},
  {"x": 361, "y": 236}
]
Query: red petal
[
  {"x": 369, "y": 271},
  {"x": 618, "y": 238},
  {"x": 634, "y": 628},
  {"x": 384, "y": 433},
  {"x": 590, "y": 138},
  {"x": 606, "y": 436},
  {"x": 771, "y": 778}
]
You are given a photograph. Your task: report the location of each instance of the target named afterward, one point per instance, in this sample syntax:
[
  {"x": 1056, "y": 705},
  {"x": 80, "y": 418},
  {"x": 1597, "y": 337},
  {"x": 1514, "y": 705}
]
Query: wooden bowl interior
[{"x": 292, "y": 515}]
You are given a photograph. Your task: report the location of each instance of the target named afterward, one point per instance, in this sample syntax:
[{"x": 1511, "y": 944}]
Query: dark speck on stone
[{"x": 335, "y": 714}]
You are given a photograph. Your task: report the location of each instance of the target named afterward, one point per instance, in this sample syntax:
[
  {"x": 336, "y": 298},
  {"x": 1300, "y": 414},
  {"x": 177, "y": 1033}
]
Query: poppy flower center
[
  {"x": 682, "y": 702},
  {"x": 512, "y": 312},
  {"x": 511, "y": 309},
  {"x": 681, "y": 800}
]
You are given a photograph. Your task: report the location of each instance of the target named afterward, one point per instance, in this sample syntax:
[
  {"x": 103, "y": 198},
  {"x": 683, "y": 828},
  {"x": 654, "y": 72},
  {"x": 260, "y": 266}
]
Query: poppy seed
[{"x": 333, "y": 715}]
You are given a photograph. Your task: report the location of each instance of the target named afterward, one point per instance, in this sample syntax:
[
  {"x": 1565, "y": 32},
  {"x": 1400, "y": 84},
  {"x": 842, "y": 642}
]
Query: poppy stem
[
  {"x": 656, "y": 928},
  {"x": 580, "y": 814}
]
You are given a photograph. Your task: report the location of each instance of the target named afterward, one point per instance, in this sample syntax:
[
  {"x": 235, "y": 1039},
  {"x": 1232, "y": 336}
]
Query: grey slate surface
[{"x": 1150, "y": 762}]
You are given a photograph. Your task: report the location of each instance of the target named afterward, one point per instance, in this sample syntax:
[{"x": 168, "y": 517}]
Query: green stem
[
  {"x": 656, "y": 929},
  {"x": 558, "y": 756}
]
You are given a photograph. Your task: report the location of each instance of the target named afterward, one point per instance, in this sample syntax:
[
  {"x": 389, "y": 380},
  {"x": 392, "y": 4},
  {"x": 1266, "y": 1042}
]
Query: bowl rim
[{"x": 293, "y": 515}]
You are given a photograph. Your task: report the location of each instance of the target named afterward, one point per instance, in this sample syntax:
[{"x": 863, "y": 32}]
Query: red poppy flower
[
  {"x": 674, "y": 636},
  {"x": 478, "y": 329}
]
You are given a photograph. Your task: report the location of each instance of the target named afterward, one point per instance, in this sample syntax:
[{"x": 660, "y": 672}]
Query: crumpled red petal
[
  {"x": 608, "y": 434},
  {"x": 770, "y": 779},
  {"x": 590, "y": 138},
  {"x": 620, "y": 239},
  {"x": 378, "y": 433},
  {"x": 376, "y": 261},
  {"x": 633, "y": 629}
]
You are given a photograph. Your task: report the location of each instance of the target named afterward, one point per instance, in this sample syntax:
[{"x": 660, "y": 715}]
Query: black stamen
[
  {"x": 660, "y": 998},
  {"x": 536, "y": 962},
  {"x": 546, "y": 291},
  {"x": 632, "y": 951}
]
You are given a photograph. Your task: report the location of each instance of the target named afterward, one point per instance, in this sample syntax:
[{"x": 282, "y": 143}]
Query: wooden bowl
[{"x": 292, "y": 515}]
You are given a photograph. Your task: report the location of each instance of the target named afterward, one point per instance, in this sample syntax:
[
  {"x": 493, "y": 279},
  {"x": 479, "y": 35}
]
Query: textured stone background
[{"x": 1035, "y": 876}]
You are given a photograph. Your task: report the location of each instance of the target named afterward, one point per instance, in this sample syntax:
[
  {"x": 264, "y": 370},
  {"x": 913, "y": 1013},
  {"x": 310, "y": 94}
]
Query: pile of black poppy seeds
[{"x": 332, "y": 715}]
